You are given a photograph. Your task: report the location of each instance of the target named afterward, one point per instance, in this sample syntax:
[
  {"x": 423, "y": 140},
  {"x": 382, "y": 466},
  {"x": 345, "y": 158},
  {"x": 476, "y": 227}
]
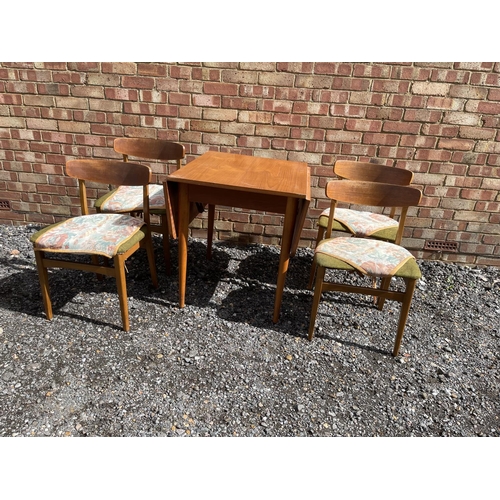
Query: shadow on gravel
[
  {"x": 253, "y": 305},
  {"x": 249, "y": 279},
  {"x": 263, "y": 266},
  {"x": 20, "y": 289}
]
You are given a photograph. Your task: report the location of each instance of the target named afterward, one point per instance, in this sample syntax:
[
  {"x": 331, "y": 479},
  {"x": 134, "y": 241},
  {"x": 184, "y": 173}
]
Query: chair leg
[
  {"x": 148, "y": 243},
  {"x": 121, "y": 285},
  {"x": 95, "y": 262},
  {"x": 166, "y": 244},
  {"x": 320, "y": 275},
  {"x": 385, "y": 284},
  {"x": 210, "y": 230},
  {"x": 319, "y": 237},
  {"x": 374, "y": 285},
  {"x": 403, "y": 316},
  {"x": 43, "y": 277}
]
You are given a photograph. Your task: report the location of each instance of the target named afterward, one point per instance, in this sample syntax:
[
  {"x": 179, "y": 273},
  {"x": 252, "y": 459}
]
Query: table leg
[
  {"x": 286, "y": 245},
  {"x": 183, "y": 240}
]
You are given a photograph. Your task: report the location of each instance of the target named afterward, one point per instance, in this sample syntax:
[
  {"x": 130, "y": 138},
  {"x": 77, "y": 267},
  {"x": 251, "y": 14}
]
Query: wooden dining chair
[
  {"x": 128, "y": 199},
  {"x": 368, "y": 256},
  {"x": 112, "y": 236},
  {"x": 361, "y": 222}
]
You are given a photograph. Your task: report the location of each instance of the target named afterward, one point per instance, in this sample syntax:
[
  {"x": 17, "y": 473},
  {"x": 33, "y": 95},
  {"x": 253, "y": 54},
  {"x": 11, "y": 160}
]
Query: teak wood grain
[
  {"x": 372, "y": 172},
  {"x": 246, "y": 173}
]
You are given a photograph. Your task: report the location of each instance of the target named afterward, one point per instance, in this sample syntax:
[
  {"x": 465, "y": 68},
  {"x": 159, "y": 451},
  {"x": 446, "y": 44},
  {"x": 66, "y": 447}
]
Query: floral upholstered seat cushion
[
  {"x": 129, "y": 199},
  {"x": 370, "y": 257},
  {"x": 99, "y": 234},
  {"x": 361, "y": 223}
]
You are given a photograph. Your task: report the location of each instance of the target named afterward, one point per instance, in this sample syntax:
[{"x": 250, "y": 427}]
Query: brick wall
[{"x": 439, "y": 120}]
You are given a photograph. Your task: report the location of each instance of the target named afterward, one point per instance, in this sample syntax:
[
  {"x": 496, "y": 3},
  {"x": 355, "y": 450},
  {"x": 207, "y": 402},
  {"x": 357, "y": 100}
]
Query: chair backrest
[
  {"x": 151, "y": 149},
  {"x": 372, "y": 172},
  {"x": 118, "y": 173},
  {"x": 374, "y": 194}
]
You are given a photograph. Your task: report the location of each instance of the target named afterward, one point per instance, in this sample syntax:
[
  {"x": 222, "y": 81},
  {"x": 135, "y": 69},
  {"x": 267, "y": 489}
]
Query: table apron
[{"x": 230, "y": 197}]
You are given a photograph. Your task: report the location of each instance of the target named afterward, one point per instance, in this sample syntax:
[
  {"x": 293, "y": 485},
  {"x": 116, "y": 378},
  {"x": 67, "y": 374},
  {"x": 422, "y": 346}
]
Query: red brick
[
  {"x": 309, "y": 134},
  {"x": 343, "y": 136},
  {"x": 363, "y": 125},
  {"x": 295, "y": 120},
  {"x": 445, "y": 103},
  {"x": 166, "y": 110},
  {"x": 225, "y": 89},
  {"x": 121, "y": 94},
  {"x": 327, "y": 122},
  {"x": 138, "y": 82},
  {"x": 180, "y": 72},
  {"x": 461, "y": 144},
  {"x": 440, "y": 130},
  {"x": 119, "y": 68},
  {"x": 385, "y": 139},
  {"x": 343, "y": 69},
  {"x": 89, "y": 116},
  {"x": 478, "y": 194},
  {"x": 422, "y": 115},
  {"x": 53, "y": 89},
  {"x": 375, "y": 113},
  {"x": 396, "y": 152},
  {"x": 84, "y": 66},
  {"x": 20, "y": 88},
  {"x": 254, "y": 142},
  {"x": 358, "y": 150},
  {"x": 356, "y": 84},
  {"x": 206, "y": 100},
  {"x": 432, "y": 155},
  {"x": 177, "y": 98},
  {"x": 239, "y": 103},
  {"x": 450, "y": 76},
  {"x": 469, "y": 157},
  {"x": 289, "y": 145},
  {"x": 11, "y": 99},
  {"x": 152, "y": 69},
  {"x": 310, "y": 108},
  {"x": 399, "y": 127}
]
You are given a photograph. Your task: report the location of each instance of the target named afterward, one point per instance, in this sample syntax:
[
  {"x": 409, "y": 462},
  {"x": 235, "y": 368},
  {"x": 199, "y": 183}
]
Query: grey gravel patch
[{"x": 220, "y": 367}]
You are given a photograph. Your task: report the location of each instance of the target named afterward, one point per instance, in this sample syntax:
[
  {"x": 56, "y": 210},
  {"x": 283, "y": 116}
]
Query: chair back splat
[{"x": 364, "y": 255}]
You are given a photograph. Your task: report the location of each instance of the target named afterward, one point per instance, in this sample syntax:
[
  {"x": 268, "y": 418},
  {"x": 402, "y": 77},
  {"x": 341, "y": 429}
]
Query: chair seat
[
  {"x": 125, "y": 199},
  {"x": 98, "y": 234},
  {"x": 369, "y": 257},
  {"x": 361, "y": 223}
]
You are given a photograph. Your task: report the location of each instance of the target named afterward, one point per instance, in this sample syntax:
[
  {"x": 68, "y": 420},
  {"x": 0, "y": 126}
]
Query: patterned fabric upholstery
[
  {"x": 361, "y": 223},
  {"x": 100, "y": 234},
  {"x": 129, "y": 199},
  {"x": 370, "y": 257}
]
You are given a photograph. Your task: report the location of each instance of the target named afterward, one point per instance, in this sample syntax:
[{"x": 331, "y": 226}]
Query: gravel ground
[{"x": 220, "y": 367}]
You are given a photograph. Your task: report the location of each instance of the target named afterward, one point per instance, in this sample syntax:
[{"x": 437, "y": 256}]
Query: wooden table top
[{"x": 247, "y": 173}]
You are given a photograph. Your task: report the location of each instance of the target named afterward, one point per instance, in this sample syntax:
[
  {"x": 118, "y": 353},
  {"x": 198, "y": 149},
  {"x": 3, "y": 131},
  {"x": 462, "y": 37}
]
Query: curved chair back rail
[
  {"x": 109, "y": 172},
  {"x": 372, "y": 172},
  {"x": 151, "y": 149},
  {"x": 374, "y": 194}
]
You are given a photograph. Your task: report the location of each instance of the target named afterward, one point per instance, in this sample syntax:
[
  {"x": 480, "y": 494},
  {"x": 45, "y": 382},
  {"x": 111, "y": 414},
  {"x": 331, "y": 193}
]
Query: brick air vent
[
  {"x": 4, "y": 205},
  {"x": 441, "y": 246}
]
